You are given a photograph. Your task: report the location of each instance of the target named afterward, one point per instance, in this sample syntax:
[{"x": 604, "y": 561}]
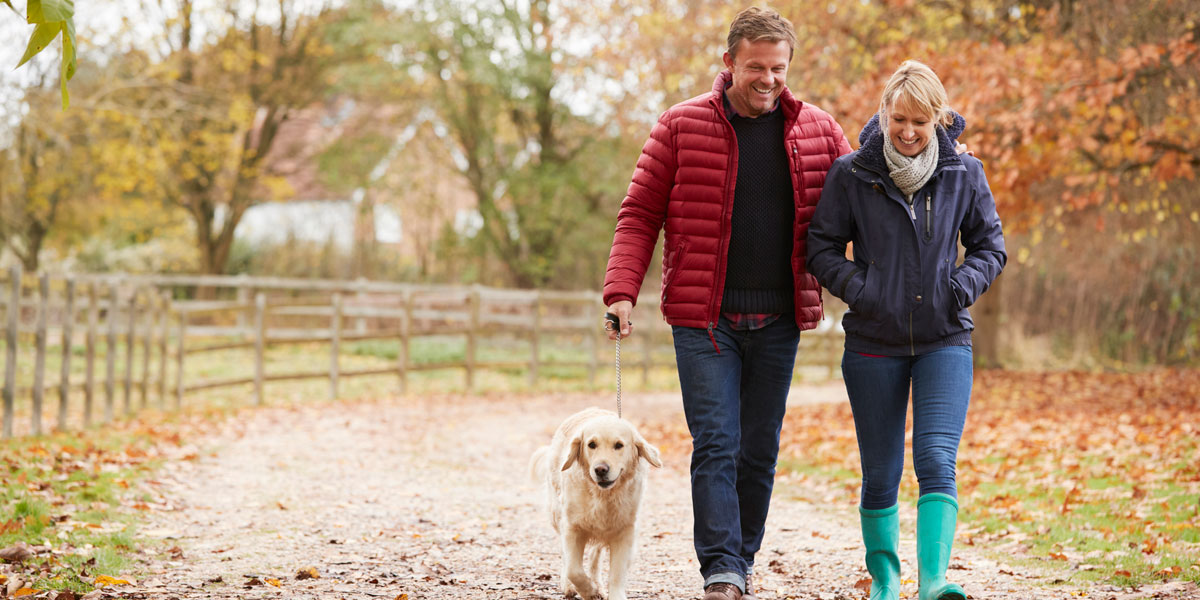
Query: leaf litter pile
[{"x": 1095, "y": 474}]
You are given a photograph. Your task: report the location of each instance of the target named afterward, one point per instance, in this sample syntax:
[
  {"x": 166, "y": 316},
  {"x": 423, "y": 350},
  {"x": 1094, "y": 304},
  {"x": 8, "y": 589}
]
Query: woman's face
[{"x": 909, "y": 128}]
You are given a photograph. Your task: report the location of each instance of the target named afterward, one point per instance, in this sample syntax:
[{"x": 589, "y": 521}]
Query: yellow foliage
[{"x": 105, "y": 580}]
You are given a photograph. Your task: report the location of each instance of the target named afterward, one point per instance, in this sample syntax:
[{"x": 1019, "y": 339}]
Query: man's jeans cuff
[{"x": 726, "y": 577}]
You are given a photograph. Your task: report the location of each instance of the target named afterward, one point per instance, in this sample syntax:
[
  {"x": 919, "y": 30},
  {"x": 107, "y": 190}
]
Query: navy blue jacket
[{"x": 907, "y": 292}]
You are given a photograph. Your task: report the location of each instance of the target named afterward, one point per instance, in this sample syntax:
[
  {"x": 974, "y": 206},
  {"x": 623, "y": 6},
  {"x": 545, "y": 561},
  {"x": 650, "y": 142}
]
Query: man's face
[{"x": 759, "y": 72}]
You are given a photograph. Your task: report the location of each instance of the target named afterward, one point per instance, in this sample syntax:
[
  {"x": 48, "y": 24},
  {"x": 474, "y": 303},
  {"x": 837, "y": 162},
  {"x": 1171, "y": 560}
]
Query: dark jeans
[
  {"x": 734, "y": 402},
  {"x": 878, "y": 388}
]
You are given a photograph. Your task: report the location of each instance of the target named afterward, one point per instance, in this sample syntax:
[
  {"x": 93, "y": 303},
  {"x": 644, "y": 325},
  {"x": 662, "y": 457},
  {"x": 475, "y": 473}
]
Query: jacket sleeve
[
  {"x": 641, "y": 217},
  {"x": 831, "y": 229},
  {"x": 983, "y": 239}
]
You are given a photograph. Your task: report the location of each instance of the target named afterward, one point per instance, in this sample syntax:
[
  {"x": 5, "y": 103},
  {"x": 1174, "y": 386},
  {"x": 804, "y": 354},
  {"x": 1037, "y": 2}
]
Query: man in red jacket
[{"x": 733, "y": 176}]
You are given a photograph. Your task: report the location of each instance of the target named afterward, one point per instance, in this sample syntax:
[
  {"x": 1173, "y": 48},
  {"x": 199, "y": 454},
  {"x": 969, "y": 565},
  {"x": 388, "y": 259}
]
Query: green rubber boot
[
  {"x": 937, "y": 514},
  {"x": 881, "y": 536}
]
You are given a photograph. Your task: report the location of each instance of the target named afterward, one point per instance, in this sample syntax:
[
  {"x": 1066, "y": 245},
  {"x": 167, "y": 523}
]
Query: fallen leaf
[
  {"x": 23, "y": 592},
  {"x": 104, "y": 580},
  {"x": 863, "y": 584},
  {"x": 17, "y": 553},
  {"x": 1058, "y": 556},
  {"x": 274, "y": 582},
  {"x": 308, "y": 573}
]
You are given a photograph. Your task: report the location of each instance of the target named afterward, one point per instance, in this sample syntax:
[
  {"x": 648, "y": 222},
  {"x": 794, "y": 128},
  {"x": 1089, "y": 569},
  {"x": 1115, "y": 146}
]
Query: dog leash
[{"x": 613, "y": 323}]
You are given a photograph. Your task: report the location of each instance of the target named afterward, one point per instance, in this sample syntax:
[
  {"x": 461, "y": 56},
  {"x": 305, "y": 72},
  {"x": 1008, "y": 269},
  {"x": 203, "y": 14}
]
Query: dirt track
[{"x": 430, "y": 497}]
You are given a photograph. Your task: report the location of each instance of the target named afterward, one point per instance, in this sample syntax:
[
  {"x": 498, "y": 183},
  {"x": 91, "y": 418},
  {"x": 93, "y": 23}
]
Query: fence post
[
  {"x": 405, "y": 334},
  {"x": 179, "y": 353},
  {"x": 335, "y": 345},
  {"x": 164, "y": 330},
  {"x": 260, "y": 307},
  {"x": 130, "y": 345},
  {"x": 89, "y": 387},
  {"x": 10, "y": 349},
  {"x": 243, "y": 297},
  {"x": 64, "y": 379},
  {"x": 535, "y": 337},
  {"x": 473, "y": 306},
  {"x": 110, "y": 357},
  {"x": 150, "y": 316},
  {"x": 39, "y": 369},
  {"x": 360, "y": 296},
  {"x": 591, "y": 335}
]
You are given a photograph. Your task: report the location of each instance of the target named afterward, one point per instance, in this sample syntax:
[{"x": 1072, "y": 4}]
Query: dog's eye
[
  {"x": 618, "y": 445},
  {"x": 592, "y": 445}
]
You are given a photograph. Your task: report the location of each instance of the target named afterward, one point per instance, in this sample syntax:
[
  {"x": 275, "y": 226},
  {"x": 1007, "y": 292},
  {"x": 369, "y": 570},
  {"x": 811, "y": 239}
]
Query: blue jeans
[
  {"x": 734, "y": 402},
  {"x": 878, "y": 388}
]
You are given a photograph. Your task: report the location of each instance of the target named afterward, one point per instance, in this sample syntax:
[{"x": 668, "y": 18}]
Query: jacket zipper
[
  {"x": 911, "y": 212},
  {"x": 928, "y": 217},
  {"x": 722, "y": 242},
  {"x": 912, "y": 345}
]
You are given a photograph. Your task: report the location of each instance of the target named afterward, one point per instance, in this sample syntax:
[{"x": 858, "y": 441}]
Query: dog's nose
[{"x": 601, "y": 471}]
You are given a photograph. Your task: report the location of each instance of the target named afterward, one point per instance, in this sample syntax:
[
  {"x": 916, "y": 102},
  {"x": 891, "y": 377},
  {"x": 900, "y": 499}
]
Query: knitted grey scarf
[{"x": 910, "y": 173}]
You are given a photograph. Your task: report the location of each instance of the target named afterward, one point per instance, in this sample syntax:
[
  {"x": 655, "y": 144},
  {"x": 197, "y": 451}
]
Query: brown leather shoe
[
  {"x": 749, "y": 595},
  {"x": 722, "y": 591}
]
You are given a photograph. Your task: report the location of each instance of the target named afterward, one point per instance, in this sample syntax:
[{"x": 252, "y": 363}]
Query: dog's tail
[{"x": 538, "y": 464}]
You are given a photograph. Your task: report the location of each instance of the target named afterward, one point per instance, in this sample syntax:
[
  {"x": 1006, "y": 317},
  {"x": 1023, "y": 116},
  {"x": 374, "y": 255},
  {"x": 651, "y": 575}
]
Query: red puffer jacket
[{"x": 684, "y": 182}]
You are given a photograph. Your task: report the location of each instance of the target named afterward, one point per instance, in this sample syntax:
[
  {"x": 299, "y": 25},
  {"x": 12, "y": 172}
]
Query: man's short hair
[{"x": 756, "y": 24}]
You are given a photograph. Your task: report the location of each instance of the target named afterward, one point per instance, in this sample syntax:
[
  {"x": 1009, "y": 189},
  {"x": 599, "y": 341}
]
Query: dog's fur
[{"x": 594, "y": 478}]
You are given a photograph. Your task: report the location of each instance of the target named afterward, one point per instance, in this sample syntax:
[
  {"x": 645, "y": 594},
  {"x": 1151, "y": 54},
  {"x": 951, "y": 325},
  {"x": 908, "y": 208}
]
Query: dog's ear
[
  {"x": 647, "y": 450},
  {"x": 573, "y": 455}
]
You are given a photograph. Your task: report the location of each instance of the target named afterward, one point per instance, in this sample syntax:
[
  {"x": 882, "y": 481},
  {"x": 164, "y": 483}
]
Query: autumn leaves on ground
[{"x": 1092, "y": 479}]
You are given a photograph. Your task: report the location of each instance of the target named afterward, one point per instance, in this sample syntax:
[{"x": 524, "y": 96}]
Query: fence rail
[{"x": 153, "y": 324}]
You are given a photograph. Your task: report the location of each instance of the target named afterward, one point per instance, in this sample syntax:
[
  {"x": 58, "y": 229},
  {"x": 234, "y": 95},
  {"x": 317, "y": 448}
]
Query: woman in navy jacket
[{"x": 904, "y": 199}]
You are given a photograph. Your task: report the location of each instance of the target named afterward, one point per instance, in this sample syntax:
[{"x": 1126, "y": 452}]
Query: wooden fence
[{"x": 153, "y": 324}]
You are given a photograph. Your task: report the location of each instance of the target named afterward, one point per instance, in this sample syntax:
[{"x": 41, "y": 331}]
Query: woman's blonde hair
[{"x": 918, "y": 86}]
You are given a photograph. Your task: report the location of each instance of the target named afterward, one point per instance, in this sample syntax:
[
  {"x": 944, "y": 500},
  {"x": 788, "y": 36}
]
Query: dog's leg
[
  {"x": 574, "y": 574},
  {"x": 620, "y": 554},
  {"x": 594, "y": 564}
]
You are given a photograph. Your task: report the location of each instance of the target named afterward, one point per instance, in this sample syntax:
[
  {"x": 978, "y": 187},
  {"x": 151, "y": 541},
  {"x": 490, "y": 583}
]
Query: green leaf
[
  {"x": 9, "y": 3},
  {"x": 57, "y": 10},
  {"x": 33, "y": 10},
  {"x": 43, "y": 34}
]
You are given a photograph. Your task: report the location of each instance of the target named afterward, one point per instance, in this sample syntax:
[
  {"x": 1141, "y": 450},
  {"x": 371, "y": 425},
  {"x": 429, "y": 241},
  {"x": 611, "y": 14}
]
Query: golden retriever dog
[{"x": 594, "y": 478}]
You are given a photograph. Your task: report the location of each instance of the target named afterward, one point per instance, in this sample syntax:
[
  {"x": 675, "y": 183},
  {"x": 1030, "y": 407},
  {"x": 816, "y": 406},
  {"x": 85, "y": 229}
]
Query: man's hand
[{"x": 623, "y": 309}]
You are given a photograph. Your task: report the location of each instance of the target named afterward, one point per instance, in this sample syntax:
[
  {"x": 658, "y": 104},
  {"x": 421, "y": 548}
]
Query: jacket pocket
[
  {"x": 672, "y": 259},
  {"x": 867, "y": 302}
]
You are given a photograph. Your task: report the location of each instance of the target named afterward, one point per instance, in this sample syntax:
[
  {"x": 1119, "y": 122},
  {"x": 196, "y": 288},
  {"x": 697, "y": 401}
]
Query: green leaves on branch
[{"x": 52, "y": 17}]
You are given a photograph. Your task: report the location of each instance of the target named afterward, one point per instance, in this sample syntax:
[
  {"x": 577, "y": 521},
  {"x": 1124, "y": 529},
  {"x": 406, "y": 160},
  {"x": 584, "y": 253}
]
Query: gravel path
[{"x": 430, "y": 498}]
